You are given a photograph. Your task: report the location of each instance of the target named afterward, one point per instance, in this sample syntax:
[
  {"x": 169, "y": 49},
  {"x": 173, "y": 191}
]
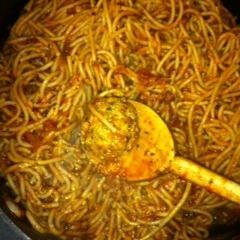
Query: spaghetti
[{"x": 181, "y": 58}]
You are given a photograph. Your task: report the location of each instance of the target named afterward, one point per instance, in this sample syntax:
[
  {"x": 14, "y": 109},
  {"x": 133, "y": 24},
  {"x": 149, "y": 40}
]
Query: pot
[{"x": 18, "y": 229}]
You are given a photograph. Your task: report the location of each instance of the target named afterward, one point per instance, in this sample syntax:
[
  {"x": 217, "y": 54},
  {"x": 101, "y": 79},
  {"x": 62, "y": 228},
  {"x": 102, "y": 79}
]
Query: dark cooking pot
[{"x": 17, "y": 229}]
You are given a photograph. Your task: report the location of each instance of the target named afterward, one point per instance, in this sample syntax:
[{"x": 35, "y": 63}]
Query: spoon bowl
[{"x": 154, "y": 149}]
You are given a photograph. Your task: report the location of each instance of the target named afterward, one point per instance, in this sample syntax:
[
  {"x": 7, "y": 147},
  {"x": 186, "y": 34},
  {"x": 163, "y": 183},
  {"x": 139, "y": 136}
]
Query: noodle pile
[{"x": 179, "y": 57}]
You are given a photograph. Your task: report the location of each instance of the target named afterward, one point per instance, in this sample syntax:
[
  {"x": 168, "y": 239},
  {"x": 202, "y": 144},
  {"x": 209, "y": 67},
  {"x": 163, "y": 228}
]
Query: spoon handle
[{"x": 206, "y": 178}]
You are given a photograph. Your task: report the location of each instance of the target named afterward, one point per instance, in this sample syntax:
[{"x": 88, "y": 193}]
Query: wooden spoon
[
  {"x": 155, "y": 153},
  {"x": 152, "y": 152}
]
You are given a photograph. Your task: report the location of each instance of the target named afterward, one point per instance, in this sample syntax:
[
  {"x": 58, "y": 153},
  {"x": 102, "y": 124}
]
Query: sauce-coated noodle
[{"x": 181, "y": 58}]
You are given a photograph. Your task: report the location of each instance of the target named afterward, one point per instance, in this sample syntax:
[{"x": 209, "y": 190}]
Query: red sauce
[
  {"x": 4, "y": 161},
  {"x": 124, "y": 70},
  {"x": 66, "y": 48},
  {"x": 12, "y": 109},
  {"x": 140, "y": 169},
  {"x": 36, "y": 138},
  {"x": 147, "y": 79},
  {"x": 71, "y": 11},
  {"x": 50, "y": 125}
]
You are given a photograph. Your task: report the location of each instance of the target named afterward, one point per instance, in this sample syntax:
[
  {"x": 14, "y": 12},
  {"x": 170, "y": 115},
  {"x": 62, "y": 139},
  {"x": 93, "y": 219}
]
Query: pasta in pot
[{"x": 181, "y": 58}]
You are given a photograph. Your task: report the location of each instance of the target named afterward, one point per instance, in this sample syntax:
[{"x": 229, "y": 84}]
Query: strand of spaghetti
[
  {"x": 16, "y": 158},
  {"x": 173, "y": 212},
  {"x": 16, "y": 167},
  {"x": 53, "y": 9},
  {"x": 106, "y": 15},
  {"x": 233, "y": 161},
  {"x": 157, "y": 23},
  {"x": 19, "y": 101},
  {"x": 168, "y": 54},
  {"x": 220, "y": 157},
  {"x": 91, "y": 40},
  {"x": 102, "y": 119},
  {"x": 51, "y": 223},
  {"x": 27, "y": 128},
  {"x": 173, "y": 12},
  {"x": 34, "y": 222},
  {"x": 228, "y": 72},
  {"x": 16, "y": 114}
]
